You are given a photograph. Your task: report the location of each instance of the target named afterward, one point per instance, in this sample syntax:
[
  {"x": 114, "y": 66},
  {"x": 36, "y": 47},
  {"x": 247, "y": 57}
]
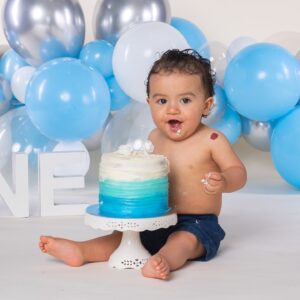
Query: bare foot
[
  {"x": 156, "y": 267},
  {"x": 67, "y": 251}
]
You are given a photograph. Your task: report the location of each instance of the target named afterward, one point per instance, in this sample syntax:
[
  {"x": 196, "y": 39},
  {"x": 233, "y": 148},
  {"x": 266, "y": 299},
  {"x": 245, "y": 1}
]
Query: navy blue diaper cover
[{"x": 205, "y": 227}]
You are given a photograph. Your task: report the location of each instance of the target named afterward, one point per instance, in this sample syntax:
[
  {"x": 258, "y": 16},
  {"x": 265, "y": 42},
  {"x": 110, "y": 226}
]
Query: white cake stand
[{"x": 130, "y": 254}]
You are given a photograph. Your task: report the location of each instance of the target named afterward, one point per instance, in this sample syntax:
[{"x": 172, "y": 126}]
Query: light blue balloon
[
  {"x": 118, "y": 98},
  {"x": 10, "y": 62},
  {"x": 262, "y": 82},
  {"x": 285, "y": 147},
  {"x": 193, "y": 35},
  {"x": 230, "y": 125},
  {"x": 66, "y": 100},
  {"x": 98, "y": 54}
]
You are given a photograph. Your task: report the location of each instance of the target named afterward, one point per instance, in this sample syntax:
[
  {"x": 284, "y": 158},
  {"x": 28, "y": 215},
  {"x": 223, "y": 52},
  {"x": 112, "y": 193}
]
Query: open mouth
[{"x": 175, "y": 125}]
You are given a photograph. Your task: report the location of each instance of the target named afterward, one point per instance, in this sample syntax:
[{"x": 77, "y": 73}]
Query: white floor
[{"x": 259, "y": 258}]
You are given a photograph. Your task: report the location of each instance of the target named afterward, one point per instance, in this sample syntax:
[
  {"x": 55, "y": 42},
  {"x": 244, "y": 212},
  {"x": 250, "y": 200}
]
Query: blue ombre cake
[{"x": 133, "y": 182}]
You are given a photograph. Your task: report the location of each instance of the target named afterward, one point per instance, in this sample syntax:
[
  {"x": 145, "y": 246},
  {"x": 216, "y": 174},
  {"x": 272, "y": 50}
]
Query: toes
[
  {"x": 44, "y": 239},
  {"x": 157, "y": 261}
]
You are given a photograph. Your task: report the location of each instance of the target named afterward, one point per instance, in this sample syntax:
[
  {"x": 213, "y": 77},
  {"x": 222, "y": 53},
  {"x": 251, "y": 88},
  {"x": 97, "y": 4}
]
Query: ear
[
  {"x": 147, "y": 100},
  {"x": 208, "y": 105}
]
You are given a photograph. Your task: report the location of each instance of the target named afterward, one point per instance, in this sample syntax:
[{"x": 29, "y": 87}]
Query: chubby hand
[{"x": 213, "y": 182}]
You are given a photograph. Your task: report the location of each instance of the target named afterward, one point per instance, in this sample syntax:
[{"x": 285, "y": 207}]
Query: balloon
[
  {"x": 137, "y": 50},
  {"x": 230, "y": 125},
  {"x": 5, "y": 138},
  {"x": 93, "y": 142},
  {"x": 132, "y": 122},
  {"x": 285, "y": 147},
  {"x": 237, "y": 45},
  {"x": 287, "y": 39},
  {"x": 218, "y": 58},
  {"x": 218, "y": 109},
  {"x": 193, "y": 35},
  {"x": 27, "y": 138},
  {"x": 118, "y": 98},
  {"x": 20, "y": 80},
  {"x": 66, "y": 100},
  {"x": 98, "y": 54},
  {"x": 257, "y": 134},
  {"x": 43, "y": 30},
  {"x": 10, "y": 63},
  {"x": 78, "y": 169},
  {"x": 262, "y": 82},
  {"x": 5, "y": 95},
  {"x": 112, "y": 18}
]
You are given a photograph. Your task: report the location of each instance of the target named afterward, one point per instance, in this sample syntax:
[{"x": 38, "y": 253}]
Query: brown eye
[
  {"x": 162, "y": 101},
  {"x": 185, "y": 100}
]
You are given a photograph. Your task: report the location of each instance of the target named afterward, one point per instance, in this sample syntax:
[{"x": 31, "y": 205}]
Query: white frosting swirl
[{"x": 133, "y": 162}]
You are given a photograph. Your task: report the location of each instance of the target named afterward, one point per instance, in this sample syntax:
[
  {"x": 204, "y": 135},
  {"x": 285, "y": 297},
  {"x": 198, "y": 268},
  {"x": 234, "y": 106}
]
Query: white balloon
[
  {"x": 128, "y": 124},
  {"x": 5, "y": 137},
  {"x": 137, "y": 50},
  {"x": 217, "y": 57},
  {"x": 93, "y": 142},
  {"x": 237, "y": 45},
  {"x": 20, "y": 80},
  {"x": 78, "y": 169}
]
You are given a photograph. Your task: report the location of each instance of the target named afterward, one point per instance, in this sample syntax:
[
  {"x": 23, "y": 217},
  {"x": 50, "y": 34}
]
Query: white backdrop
[{"x": 223, "y": 20}]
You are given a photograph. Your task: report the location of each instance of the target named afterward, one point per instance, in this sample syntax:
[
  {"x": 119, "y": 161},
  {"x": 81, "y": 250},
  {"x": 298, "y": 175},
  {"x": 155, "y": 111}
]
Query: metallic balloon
[
  {"x": 43, "y": 30},
  {"x": 257, "y": 134},
  {"x": 112, "y": 17}
]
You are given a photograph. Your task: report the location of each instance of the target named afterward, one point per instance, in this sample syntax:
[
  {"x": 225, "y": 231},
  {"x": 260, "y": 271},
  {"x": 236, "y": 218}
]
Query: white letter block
[
  {"x": 48, "y": 183},
  {"x": 17, "y": 202}
]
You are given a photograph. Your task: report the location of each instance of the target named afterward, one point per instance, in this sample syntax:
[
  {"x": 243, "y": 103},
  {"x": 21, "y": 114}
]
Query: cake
[{"x": 133, "y": 182}]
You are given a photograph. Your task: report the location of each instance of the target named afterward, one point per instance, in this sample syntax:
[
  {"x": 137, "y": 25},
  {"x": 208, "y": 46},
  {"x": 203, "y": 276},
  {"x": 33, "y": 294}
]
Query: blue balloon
[
  {"x": 230, "y": 125},
  {"x": 118, "y": 98},
  {"x": 193, "y": 35},
  {"x": 262, "y": 82},
  {"x": 10, "y": 62},
  {"x": 66, "y": 100},
  {"x": 98, "y": 54},
  {"x": 285, "y": 147}
]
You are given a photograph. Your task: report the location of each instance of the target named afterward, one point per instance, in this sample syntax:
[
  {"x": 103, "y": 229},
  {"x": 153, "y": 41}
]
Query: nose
[{"x": 173, "y": 108}]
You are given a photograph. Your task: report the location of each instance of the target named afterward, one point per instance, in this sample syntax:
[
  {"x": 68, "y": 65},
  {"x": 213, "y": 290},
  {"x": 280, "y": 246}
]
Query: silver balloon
[
  {"x": 112, "y": 17},
  {"x": 43, "y": 30},
  {"x": 257, "y": 134}
]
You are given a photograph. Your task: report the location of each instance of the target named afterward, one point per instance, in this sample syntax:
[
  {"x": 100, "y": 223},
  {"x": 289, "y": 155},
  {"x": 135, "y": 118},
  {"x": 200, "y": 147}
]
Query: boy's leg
[
  {"x": 180, "y": 247},
  {"x": 77, "y": 253}
]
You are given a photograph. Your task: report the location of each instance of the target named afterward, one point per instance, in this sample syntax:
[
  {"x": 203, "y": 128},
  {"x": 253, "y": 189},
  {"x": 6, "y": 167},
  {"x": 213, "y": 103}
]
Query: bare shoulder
[{"x": 212, "y": 137}]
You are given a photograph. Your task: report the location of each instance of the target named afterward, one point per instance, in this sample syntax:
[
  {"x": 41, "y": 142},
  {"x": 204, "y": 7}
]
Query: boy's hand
[{"x": 214, "y": 183}]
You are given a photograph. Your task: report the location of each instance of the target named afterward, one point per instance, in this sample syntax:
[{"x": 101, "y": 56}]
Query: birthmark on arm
[{"x": 214, "y": 136}]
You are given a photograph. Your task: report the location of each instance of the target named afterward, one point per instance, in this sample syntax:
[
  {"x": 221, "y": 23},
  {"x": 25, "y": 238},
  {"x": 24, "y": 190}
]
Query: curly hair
[{"x": 185, "y": 61}]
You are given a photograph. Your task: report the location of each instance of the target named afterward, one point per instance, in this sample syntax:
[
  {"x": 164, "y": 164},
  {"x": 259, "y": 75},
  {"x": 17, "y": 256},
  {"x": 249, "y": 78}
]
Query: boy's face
[{"x": 177, "y": 102}]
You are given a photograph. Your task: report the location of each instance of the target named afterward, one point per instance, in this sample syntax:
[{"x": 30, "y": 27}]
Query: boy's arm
[{"x": 232, "y": 175}]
